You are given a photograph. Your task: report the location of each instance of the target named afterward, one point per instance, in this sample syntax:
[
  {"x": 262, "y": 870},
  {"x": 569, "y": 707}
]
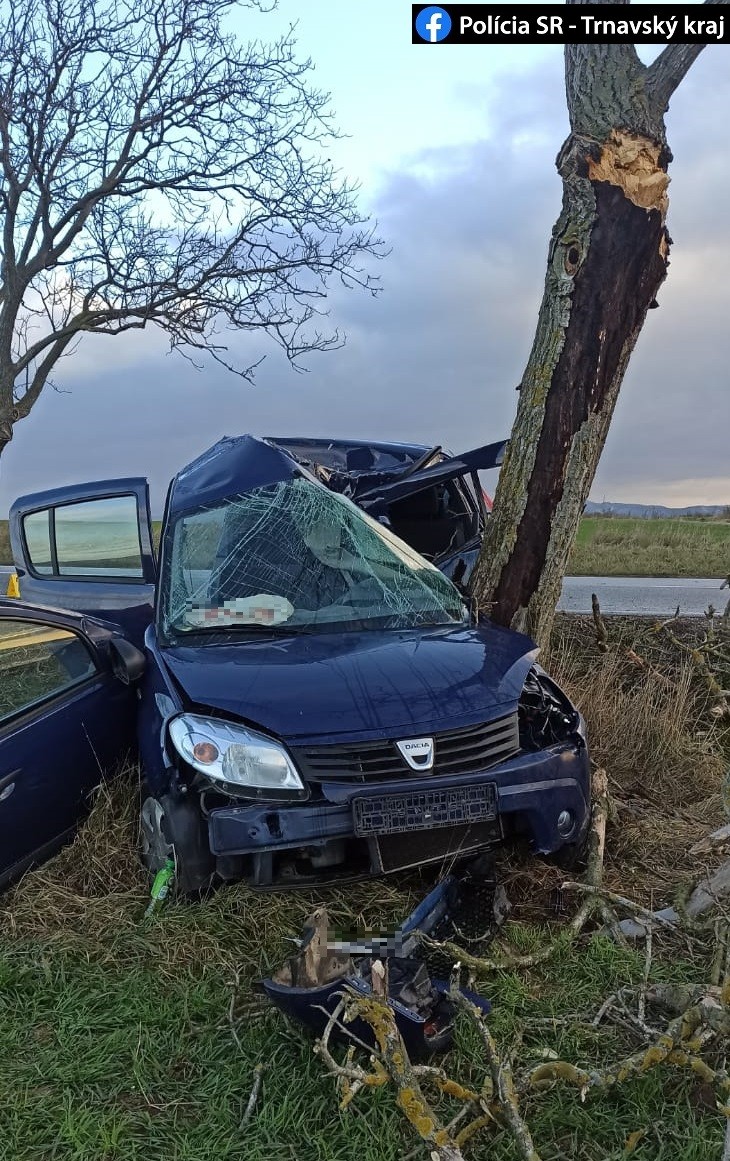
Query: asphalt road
[
  {"x": 650, "y": 596},
  {"x": 647, "y": 596}
]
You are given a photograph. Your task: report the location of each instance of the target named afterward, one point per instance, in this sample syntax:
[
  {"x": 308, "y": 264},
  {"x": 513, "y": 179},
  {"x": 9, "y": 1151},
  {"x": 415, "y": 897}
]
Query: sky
[{"x": 454, "y": 148}]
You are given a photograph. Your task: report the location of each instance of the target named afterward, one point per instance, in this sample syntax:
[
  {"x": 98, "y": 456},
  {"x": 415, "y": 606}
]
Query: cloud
[
  {"x": 673, "y": 493},
  {"x": 436, "y": 357}
]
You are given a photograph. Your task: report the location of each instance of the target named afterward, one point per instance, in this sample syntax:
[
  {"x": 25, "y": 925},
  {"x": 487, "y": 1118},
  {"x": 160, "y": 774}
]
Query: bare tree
[
  {"x": 608, "y": 256},
  {"x": 154, "y": 171}
]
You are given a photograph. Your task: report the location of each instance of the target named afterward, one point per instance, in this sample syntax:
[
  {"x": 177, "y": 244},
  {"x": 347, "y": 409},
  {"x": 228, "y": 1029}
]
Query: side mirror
[{"x": 128, "y": 662}]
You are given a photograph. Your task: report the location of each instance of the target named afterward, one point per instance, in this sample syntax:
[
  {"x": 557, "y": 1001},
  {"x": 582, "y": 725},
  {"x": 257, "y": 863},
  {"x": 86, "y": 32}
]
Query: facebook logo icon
[{"x": 433, "y": 24}]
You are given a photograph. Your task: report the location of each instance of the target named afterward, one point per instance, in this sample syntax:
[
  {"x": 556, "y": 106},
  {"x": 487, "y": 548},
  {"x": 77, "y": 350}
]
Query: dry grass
[
  {"x": 95, "y": 883},
  {"x": 648, "y": 730},
  {"x": 93, "y": 895},
  {"x": 654, "y": 731}
]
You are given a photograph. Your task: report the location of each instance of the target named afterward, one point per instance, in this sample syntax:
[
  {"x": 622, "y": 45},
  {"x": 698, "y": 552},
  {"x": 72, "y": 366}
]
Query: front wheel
[{"x": 175, "y": 830}]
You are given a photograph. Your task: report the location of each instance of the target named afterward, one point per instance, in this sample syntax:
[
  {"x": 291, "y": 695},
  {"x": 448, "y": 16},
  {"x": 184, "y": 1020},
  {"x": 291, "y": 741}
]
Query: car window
[
  {"x": 38, "y": 539},
  {"x": 99, "y": 538},
  {"x": 38, "y": 661},
  {"x": 91, "y": 538}
]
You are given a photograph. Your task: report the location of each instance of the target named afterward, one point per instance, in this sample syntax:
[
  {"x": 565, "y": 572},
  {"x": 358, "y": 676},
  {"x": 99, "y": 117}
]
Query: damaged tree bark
[{"x": 607, "y": 259}]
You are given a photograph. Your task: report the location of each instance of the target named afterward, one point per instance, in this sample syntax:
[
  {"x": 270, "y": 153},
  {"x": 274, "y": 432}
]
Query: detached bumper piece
[{"x": 309, "y": 987}]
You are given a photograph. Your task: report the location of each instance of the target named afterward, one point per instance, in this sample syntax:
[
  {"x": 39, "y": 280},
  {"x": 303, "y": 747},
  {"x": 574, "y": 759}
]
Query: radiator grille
[
  {"x": 465, "y": 751},
  {"x": 443, "y": 844}
]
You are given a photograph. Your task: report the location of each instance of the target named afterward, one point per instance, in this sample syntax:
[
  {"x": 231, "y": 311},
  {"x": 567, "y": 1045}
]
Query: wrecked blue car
[{"x": 318, "y": 699}]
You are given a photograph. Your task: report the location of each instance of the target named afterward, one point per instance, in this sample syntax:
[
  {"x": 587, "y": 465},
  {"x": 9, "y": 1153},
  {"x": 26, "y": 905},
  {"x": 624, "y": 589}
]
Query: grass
[
  {"x": 654, "y": 731},
  {"x": 114, "y": 1059},
  {"x": 630, "y": 546},
  {"x": 115, "y": 1041},
  {"x": 615, "y": 546}
]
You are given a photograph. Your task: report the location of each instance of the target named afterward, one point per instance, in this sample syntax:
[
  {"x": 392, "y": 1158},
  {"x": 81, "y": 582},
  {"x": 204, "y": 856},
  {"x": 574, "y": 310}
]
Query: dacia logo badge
[{"x": 418, "y": 752}]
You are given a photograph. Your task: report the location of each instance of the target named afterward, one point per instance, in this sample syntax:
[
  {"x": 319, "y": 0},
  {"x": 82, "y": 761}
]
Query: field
[
  {"x": 6, "y": 556},
  {"x": 630, "y": 546},
  {"x": 619, "y": 546},
  {"x": 117, "y": 1032}
]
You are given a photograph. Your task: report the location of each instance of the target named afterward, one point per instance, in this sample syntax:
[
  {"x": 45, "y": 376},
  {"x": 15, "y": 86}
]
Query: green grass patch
[
  {"x": 108, "y": 1051},
  {"x": 113, "y": 1060},
  {"x": 631, "y": 546},
  {"x": 116, "y": 1042}
]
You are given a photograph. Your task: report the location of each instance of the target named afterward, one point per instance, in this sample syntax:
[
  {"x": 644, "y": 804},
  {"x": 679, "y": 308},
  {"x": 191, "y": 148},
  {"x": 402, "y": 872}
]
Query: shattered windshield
[{"x": 297, "y": 556}]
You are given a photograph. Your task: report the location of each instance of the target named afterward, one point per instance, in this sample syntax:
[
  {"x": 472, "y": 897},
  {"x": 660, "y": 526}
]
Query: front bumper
[{"x": 532, "y": 789}]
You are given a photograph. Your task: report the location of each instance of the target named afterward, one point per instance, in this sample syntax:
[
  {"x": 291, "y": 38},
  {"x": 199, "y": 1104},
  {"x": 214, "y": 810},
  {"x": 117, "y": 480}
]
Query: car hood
[{"x": 358, "y": 685}]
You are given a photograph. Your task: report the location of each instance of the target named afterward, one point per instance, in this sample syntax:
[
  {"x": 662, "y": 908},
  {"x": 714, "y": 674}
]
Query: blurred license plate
[{"x": 399, "y": 813}]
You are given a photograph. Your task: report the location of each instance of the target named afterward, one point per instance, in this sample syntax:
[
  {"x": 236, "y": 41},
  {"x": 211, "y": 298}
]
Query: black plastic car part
[
  {"x": 545, "y": 714},
  {"x": 185, "y": 830}
]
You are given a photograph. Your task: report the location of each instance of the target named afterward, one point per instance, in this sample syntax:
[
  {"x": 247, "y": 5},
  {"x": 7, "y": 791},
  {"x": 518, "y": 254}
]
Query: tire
[{"x": 175, "y": 829}]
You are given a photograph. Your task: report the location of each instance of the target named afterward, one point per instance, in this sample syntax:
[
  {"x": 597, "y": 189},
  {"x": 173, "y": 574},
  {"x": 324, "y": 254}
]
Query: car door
[
  {"x": 65, "y": 721},
  {"x": 436, "y": 505},
  {"x": 88, "y": 548},
  {"x": 415, "y": 477}
]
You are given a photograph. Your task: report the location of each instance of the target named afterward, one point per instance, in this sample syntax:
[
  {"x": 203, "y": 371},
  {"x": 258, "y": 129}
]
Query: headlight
[
  {"x": 546, "y": 715},
  {"x": 236, "y": 759}
]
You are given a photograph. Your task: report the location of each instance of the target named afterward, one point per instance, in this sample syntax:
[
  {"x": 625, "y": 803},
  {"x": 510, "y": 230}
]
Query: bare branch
[
  {"x": 670, "y": 68},
  {"x": 37, "y": 382}
]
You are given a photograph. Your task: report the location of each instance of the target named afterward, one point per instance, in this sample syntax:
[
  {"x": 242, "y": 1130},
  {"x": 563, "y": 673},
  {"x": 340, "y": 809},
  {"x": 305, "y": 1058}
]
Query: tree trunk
[
  {"x": 608, "y": 257},
  {"x": 8, "y": 416}
]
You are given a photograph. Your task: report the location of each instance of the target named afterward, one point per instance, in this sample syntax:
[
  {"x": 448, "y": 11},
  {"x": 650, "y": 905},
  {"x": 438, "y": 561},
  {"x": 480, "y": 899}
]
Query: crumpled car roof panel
[{"x": 233, "y": 465}]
